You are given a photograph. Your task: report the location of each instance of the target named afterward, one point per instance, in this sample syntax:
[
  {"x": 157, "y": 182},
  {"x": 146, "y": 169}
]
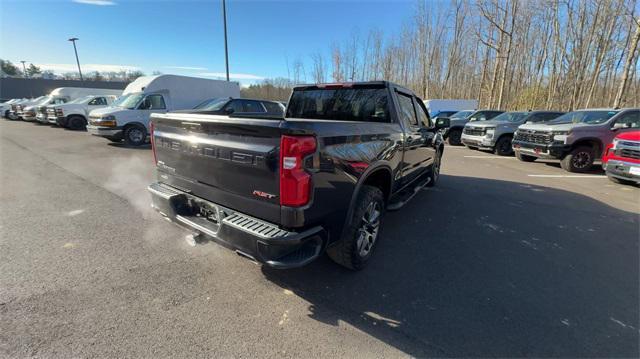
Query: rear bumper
[
  {"x": 104, "y": 131},
  {"x": 628, "y": 171},
  {"x": 549, "y": 151},
  {"x": 250, "y": 237},
  {"x": 481, "y": 142}
]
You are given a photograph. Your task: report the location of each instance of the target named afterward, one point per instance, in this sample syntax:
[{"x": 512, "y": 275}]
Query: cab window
[
  {"x": 423, "y": 116},
  {"x": 629, "y": 120},
  {"x": 152, "y": 102},
  {"x": 98, "y": 101},
  {"x": 407, "y": 112}
]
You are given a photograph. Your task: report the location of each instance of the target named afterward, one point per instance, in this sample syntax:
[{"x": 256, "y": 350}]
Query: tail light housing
[
  {"x": 152, "y": 127},
  {"x": 295, "y": 182}
]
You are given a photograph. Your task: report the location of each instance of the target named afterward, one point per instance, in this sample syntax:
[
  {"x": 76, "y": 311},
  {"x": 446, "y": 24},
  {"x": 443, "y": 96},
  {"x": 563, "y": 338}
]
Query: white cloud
[
  {"x": 86, "y": 68},
  {"x": 190, "y": 68},
  {"x": 95, "y": 2},
  {"x": 233, "y": 76}
]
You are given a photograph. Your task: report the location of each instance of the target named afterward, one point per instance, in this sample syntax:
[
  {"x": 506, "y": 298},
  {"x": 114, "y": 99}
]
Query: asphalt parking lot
[{"x": 501, "y": 258}]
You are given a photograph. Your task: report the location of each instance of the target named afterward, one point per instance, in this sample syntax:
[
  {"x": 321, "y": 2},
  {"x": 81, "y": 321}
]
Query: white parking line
[
  {"x": 492, "y": 157},
  {"x": 569, "y": 176}
]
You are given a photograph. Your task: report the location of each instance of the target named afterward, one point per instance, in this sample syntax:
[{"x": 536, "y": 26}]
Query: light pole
[
  {"x": 24, "y": 69},
  {"x": 226, "y": 51},
  {"x": 74, "y": 39}
]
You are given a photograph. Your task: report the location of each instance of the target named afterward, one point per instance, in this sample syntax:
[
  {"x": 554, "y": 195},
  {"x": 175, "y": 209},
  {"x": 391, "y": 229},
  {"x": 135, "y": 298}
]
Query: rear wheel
[
  {"x": 356, "y": 246},
  {"x": 135, "y": 135},
  {"x": 580, "y": 159},
  {"x": 76, "y": 123},
  {"x": 455, "y": 136},
  {"x": 525, "y": 158},
  {"x": 503, "y": 146}
]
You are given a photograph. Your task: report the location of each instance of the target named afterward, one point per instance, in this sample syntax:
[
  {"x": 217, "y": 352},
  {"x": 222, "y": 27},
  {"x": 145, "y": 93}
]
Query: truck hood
[
  {"x": 493, "y": 123},
  {"x": 69, "y": 106},
  {"x": 553, "y": 127},
  {"x": 629, "y": 136},
  {"x": 99, "y": 112}
]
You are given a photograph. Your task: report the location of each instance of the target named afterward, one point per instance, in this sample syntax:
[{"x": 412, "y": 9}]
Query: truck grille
[
  {"x": 625, "y": 152},
  {"x": 474, "y": 131},
  {"x": 538, "y": 137}
]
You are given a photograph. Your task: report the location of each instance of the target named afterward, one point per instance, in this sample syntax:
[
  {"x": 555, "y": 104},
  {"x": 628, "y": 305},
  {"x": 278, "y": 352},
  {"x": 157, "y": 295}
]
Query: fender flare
[
  {"x": 596, "y": 140},
  {"x": 379, "y": 166}
]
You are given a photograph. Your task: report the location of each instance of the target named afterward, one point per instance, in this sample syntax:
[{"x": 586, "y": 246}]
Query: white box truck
[
  {"x": 59, "y": 96},
  {"x": 128, "y": 117},
  {"x": 437, "y": 107}
]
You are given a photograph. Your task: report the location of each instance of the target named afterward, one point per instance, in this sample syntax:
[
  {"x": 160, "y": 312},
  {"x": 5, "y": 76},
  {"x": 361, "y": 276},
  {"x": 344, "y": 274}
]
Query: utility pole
[
  {"x": 24, "y": 69},
  {"x": 74, "y": 39},
  {"x": 226, "y": 51}
]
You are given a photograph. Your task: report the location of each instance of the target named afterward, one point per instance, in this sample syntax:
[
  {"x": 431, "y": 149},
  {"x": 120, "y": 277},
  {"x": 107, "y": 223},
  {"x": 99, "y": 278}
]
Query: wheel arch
[{"x": 594, "y": 142}]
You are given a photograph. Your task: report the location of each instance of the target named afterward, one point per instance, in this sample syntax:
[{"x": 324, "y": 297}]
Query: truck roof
[{"x": 351, "y": 84}]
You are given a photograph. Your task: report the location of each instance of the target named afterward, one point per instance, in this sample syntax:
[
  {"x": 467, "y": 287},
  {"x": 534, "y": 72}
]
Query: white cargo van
[
  {"x": 128, "y": 118},
  {"x": 59, "y": 96},
  {"x": 437, "y": 106}
]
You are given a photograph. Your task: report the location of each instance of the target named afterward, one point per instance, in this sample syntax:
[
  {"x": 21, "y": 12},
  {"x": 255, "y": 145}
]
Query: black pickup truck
[{"x": 281, "y": 191}]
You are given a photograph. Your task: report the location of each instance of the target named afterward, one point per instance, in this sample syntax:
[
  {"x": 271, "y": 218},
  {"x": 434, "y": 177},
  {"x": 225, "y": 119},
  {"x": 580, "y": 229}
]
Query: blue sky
[{"x": 186, "y": 37}]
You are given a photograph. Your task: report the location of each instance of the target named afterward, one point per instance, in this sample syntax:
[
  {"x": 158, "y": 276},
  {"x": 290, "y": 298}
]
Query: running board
[{"x": 399, "y": 204}]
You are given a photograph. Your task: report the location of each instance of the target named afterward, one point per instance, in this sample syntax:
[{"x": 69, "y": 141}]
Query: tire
[
  {"x": 135, "y": 135},
  {"x": 525, "y": 158},
  {"x": 356, "y": 246},
  {"x": 435, "y": 170},
  {"x": 76, "y": 123},
  {"x": 455, "y": 137},
  {"x": 503, "y": 146},
  {"x": 579, "y": 160}
]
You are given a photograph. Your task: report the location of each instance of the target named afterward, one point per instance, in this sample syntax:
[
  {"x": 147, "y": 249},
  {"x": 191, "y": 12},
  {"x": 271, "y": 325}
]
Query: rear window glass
[{"x": 343, "y": 104}]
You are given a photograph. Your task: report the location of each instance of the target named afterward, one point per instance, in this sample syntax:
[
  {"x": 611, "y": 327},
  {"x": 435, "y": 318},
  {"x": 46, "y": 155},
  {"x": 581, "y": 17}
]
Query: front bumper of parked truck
[
  {"x": 546, "y": 151},
  {"x": 104, "y": 131},
  {"x": 249, "y": 237},
  {"x": 481, "y": 142},
  {"x": 628, "y": 171}
]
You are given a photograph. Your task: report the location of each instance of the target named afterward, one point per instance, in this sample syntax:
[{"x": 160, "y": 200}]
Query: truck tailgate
[{"x": 229, "y": 161}]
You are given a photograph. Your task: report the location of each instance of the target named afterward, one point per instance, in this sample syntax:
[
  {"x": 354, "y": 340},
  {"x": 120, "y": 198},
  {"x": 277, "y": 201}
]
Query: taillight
[
  {"x": 295, "y": 182},
  {"x": 152, "y": 126}
]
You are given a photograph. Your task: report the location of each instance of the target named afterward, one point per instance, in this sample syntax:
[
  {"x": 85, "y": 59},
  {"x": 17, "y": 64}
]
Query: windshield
[
  {"x": 586, "y": 117},
  {"x": 81, "y": 99},
  {"x": 510, "y": 117},
  {"x": 43, "y": 100},
  {"x": 365, "y": 104},
  {"x": 119, "y": 100},
  {"x": 213, "y": 104},
  {"x": 130, "y": 102},
  {"x": 462, "y": 114}
]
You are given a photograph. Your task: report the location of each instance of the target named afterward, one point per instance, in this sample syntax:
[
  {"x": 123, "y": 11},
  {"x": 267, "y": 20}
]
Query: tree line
[
  {"x": 9, "y": 69},
  {"x": 507, "y": 54}
]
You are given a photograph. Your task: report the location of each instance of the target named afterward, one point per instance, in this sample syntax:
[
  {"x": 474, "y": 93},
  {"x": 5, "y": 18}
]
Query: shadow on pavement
[
  {"x": 479, "y": 267},
  {"x": 124, "y": 145}
]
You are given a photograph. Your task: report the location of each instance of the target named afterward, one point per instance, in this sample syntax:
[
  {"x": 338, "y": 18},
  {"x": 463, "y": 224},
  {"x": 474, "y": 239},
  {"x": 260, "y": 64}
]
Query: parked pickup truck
[
  {"x": 74, "y": 114},
  {"x": 621, "y": 160},
  {"x": 576, "y": 138},
  {"x": 458, "y": 120},
  {"x": 281, "y": 190},
  {"x": 496, "y": 134}
]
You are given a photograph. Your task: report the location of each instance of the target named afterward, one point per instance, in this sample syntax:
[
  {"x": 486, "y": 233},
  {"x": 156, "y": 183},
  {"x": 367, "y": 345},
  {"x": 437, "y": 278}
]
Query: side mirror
[
  {"x": 442, "y": 122},
  {"x": 618, "y": 125}
]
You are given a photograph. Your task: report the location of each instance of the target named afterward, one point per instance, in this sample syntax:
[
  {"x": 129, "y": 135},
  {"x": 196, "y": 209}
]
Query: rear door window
[{"x": 273, "y": 107}]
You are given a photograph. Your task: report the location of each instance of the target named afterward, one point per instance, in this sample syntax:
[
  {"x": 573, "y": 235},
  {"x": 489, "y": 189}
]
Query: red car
[{"x": 621, "y": 159}]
